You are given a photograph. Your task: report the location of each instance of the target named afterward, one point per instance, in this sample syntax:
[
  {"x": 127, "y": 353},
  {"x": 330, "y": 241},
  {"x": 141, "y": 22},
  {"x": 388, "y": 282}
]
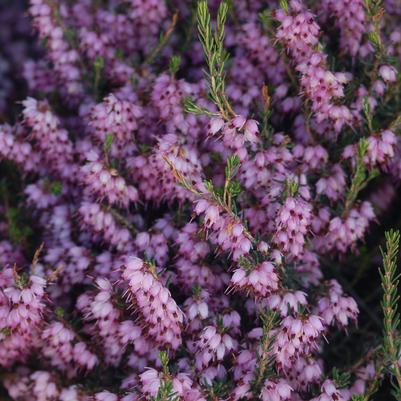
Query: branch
[{"x": 390, "y": 281}]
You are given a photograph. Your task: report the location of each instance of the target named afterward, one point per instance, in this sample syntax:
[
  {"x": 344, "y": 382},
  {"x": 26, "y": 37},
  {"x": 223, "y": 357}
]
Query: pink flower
[
  {"x": 336, "y": 308},
  {"x": 215, "y": 125},
  {"x": 276, "y": 391},
  {"x": 388, "y": 73}
]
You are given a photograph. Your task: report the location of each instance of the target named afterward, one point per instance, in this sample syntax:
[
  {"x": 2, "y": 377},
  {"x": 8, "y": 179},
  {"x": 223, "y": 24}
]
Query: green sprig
[
  {"x": 191, "y": 107},
  {"x": 341, "y": 379},
  {"x": 361, "y": 177},
  {"x": 284, "y": 5},
  {"x": 231, "y": 187},
  {"x": 166, "y": 390},
  {"x": 374, "y": 9},
  {"x": 164, "y": 360},
  {"x": 265, "y": 361},
  {"x": 367, "y": 111},
  {"x": 291, "y": 188},
  {"x": 390, "y": 281},
  {"x": 174, "y": 65},
  {"x": 215, "y": 54},
  {"x": 358, "y": 397}
]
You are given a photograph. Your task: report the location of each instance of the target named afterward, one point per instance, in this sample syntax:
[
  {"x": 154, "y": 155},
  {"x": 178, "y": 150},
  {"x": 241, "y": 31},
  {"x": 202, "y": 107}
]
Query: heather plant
[{"x": 199, "y": 200}]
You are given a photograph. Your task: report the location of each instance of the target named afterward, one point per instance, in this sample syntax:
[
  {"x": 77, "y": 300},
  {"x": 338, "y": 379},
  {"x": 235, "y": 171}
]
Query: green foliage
[
  {"x": 232, "y": 188},
  {"x": 166, "y": 392},
  {"x": 191, "y": 107},
  {"x": 17, "y": 219},
  {"x": 18, "y": 231},
  {"x": 266, "y": 19},
  {"x": 59, "y": 312},
  {"x": 284, "y": 5},
  {"x": 358, "y": 397},
  {"x": 232, "y": 166},
  {"x": 119, "y": 53},
  {"x": 390, "y": 281},
  {"x": 226, "y": 196},
  {"x": 5, "y": 331},
  {"x": 164, "y": 360},
  {"x": 373, "y": 7},
  {"x": 218, "y": 390},
  {"x": 54, "y": 187},
  {"x": 144, "y": 148},
  {"x": 367, "y": 111},
  {"x": 266, "y": 130},
  {"x": 210, "y": 188},
  {"x": 216, "y": 56},
  {"x": 196, "y": 290},
  {"x": 291, "y": 188},
  {"x": 396, "y": 123},
  {"x": 265, "y": 361},
  {"x": 174, "y": 65},
  {"x": 108, "y": 143},
  {"x": 361, "y": 177},
  {"x": 21, "y": 280},
  {"x": 374, "y": 11},
  {"x": 341, "y": 379},
  {"x": 246, "y": 263},
  {"x": 374, "y": 38},
  {"x": 99, "y": 64}
]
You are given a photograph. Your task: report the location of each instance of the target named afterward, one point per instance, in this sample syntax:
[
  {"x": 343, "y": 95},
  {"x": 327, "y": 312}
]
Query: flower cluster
[
  {"x": 60, "y": 53},
  {"x": 280, "y": 391},
  {"x": 351, "y": 20},
  {"x": 296, "y": 337},
  {"x": 22, "y": 309},
  {"x": 299, "y": 33},
  {"x": 261, "y": 281},
  {"x": 64, "y": 350},
  {"x": 236, "y": 133},
  {"x": 294, "y": 218},
  {"x": 161, "y": 316},
  {"x": 337, "y": 308},
  {"x": 116, "y": 117},
  {"x": 228, "y": 232},
  {"x": 106, "y": 183}
]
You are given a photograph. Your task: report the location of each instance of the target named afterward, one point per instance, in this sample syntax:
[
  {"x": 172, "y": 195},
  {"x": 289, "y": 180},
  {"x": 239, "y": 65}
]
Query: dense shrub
[{"x": 193, "y": 195}]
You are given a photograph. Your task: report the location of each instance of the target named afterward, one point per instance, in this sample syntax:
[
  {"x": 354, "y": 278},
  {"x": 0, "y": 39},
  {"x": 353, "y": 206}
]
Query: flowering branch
[{"x": 223, "y": 198}]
